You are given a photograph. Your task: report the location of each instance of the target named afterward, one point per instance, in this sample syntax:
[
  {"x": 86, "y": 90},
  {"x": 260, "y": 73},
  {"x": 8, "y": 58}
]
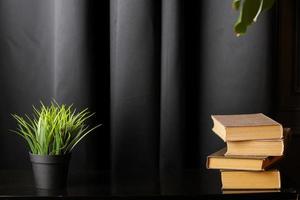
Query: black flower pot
[{"x": 50, "y": 172}]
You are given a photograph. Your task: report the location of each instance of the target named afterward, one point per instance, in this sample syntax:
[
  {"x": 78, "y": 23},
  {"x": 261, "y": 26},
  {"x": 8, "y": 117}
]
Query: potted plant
[{"x": 51, "y": 134}]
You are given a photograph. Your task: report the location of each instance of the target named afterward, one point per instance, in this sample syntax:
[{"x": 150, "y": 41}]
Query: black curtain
[
  {"x": 153, "y": 71},
  {"x": 173, "y": 63}
]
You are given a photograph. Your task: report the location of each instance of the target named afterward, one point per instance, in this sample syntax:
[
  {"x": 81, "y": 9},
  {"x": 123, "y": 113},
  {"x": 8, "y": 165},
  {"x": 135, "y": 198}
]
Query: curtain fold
[
  {"x": 71, "y": 73},
  {"x": 135, "y": 81},
  {"x": 172, "y": 94}
]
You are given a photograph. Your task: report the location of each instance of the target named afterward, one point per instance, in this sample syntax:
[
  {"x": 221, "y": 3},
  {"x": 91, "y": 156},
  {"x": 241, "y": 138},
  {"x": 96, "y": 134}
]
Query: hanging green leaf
[
  {"x": 249, "y": 12},
  {"x": 264, "y": 6},
  {"x": 236, "y": 4},
  {"x": 268, "y": 4}
]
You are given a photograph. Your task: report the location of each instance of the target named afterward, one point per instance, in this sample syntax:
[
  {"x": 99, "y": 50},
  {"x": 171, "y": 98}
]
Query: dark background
[{"x": 153, "y": 71}]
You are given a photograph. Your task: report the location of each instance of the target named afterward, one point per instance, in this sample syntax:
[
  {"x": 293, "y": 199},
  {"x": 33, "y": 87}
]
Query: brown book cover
[
  {"x": 218, "y": 160},
  {"x": 246, "y": 127}
]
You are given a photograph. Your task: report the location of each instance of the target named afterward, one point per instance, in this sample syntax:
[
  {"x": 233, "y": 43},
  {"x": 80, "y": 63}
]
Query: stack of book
[{"x": 255, "y": 143}]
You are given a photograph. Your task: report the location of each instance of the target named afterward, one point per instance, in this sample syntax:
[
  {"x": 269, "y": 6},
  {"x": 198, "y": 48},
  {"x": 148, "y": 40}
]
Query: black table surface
[{"x": 190, "y": 184}]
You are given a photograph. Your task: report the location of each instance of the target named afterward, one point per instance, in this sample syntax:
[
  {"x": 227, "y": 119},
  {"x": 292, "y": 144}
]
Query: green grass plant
[{"x": 54, "y": 129}]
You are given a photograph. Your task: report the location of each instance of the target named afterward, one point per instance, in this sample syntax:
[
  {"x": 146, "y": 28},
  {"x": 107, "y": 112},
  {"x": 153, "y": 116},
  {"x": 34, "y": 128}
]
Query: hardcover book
[
  {"x": 251, "y": 180},
  {"x": 246, "y": 127},
  {"x": 218, "y": 160},
  {"x": 275, "y": 147},
  {"x": 256, "y": 148}
]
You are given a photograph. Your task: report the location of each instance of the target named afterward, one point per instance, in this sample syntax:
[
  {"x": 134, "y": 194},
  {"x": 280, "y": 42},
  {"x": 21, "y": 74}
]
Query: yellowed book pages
[
  {"x": 256, "y": 148},
  {"x": 250, "y": 180},
  {"x": 274, "y": 147},
  {"x": 246, "y": 127},
  {"x": 218, "y": 160},
  {"x": 250, "y": 191}
]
